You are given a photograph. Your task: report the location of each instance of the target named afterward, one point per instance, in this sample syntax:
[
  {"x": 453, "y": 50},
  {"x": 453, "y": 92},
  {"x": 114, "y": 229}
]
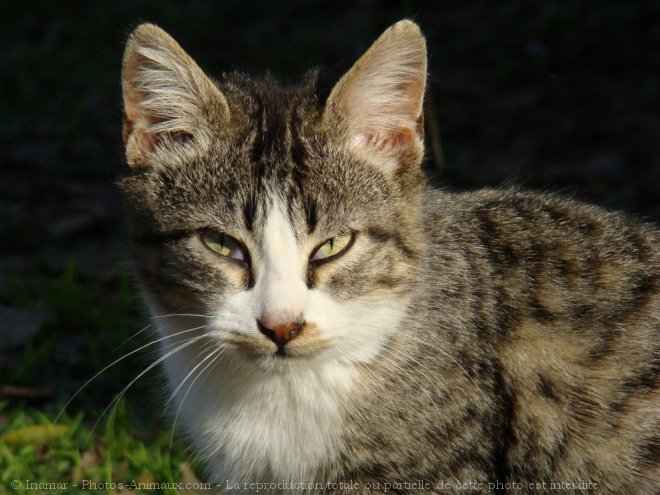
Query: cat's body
[{"x": 480, "y": 338}]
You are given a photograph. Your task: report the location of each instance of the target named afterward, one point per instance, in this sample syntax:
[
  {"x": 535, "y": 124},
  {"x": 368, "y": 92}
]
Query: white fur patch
[
  {"x": 253, "y": 423},
  {"x": 280, "y": 288}
]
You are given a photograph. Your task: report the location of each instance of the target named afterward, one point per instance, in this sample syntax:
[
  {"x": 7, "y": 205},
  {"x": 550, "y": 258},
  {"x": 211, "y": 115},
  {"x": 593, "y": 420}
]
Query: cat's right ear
[{"x": 168, "y": 100}]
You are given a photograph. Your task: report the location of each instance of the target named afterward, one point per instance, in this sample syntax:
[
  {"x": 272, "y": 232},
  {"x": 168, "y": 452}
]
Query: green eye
[
  {"x": 332, "y": 247},
  {"x": 223, "y": 244}
]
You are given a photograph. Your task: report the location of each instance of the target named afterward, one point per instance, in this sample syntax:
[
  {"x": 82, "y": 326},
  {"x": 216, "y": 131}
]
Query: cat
[{"x": 332, "y": 324}]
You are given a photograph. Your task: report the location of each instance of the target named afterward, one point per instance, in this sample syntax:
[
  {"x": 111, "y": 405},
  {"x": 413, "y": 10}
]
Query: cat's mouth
[
  {"x": 281, "y": 353},
  {"x": 260, "y": 349}
]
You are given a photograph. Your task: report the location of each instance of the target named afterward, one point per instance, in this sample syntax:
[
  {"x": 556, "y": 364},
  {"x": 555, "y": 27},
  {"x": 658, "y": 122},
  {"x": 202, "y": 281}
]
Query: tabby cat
[{"x": 331, "y": 324}]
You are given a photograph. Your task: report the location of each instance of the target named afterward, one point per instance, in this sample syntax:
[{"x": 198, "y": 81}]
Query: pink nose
[{"x": 281, "y": 334}]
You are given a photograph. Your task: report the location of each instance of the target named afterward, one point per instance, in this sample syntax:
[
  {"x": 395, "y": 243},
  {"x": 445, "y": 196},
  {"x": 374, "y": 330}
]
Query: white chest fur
[
  {"x": 251, "y": 426},
  {"x": 280, "y": 427}
]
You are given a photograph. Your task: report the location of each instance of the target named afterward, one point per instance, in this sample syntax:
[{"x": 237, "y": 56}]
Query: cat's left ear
[{"x": 379, "y": 100}]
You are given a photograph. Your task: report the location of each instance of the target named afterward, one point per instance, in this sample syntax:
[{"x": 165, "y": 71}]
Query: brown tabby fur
[{"x": 529, "y": 349}]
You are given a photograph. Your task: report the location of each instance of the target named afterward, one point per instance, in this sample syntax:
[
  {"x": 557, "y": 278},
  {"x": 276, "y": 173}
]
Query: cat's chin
[
  {"x": 279, "y": 361},
  {"x": 290, "y": 356}
]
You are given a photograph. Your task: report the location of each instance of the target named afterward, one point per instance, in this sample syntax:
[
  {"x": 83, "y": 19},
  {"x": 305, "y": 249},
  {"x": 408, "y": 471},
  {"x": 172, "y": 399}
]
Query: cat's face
[{"x": 293, "y": 230}]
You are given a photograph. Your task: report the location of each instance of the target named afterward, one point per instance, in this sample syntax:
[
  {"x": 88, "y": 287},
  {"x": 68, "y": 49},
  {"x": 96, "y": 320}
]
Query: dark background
[{"x": 559, "y": 96}]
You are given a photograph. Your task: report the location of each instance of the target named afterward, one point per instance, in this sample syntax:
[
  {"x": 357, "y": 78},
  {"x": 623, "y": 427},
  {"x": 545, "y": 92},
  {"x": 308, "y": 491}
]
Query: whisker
[
  {"x": 446, "y": 354},
  {"x": 195, "y": 315},
  {"x": 121, "y": 394},
  {"x": 176, "y": 390},
  {"x": 416, "y": 339},
  {"x": 114, "y": 363},
  {"x": 218, "y": 352},
  {"x": 124, "y": 342},
  {"x": 416, "y": 379},
  {"x": 139, "y": 332}
]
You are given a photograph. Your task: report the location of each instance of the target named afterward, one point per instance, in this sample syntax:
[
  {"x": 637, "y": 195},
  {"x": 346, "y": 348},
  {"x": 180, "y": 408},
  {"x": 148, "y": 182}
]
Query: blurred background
[{"x": 551, "y": 95}]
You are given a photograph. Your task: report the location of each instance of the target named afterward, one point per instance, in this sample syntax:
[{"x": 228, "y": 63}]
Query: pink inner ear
[
  {"x": 127, "y": 130},
  {"x": 360, "y": 140},
  {"x": 147, "y": 140},
  {"x": 391, "y": 143}
]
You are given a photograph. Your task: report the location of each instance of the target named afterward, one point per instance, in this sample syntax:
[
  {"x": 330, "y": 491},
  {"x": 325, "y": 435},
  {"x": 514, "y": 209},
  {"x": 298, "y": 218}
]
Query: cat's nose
[{"x": 281, "y": 334}]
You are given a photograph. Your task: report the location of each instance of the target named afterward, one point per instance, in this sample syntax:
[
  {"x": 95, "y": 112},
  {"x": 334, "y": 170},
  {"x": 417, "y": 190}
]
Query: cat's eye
[
  {"x": 332, "y": 247},
  {"x": 223, "y": 244}
]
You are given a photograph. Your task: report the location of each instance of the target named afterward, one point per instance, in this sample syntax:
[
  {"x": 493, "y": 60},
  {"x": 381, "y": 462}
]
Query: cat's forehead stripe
[
  {"x": 278, "y": 118},
  {"x": 311, "y": 215},
  {"x": 249, "y": 211}
]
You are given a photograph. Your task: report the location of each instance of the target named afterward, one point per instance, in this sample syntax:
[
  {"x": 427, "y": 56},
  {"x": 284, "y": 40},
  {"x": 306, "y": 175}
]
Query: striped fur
[{"x": 489, "y": 338}]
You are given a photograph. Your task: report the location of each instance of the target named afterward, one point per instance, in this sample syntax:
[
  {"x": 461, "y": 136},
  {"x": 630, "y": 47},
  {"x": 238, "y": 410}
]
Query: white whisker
[
  {"x": 121, "y": 394},
  {"x": 114, "y": 363},
  {"x": 218, "y": 353}
]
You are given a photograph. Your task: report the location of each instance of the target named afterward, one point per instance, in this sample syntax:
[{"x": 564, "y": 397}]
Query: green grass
[
  {"x": 101, "y": 436},
  {"x": 33, "y": 448},
  {"x": 556, "y": 97}
]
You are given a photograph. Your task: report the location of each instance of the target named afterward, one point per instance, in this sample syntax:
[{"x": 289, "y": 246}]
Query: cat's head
[{"x": 293, "y": 226}]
